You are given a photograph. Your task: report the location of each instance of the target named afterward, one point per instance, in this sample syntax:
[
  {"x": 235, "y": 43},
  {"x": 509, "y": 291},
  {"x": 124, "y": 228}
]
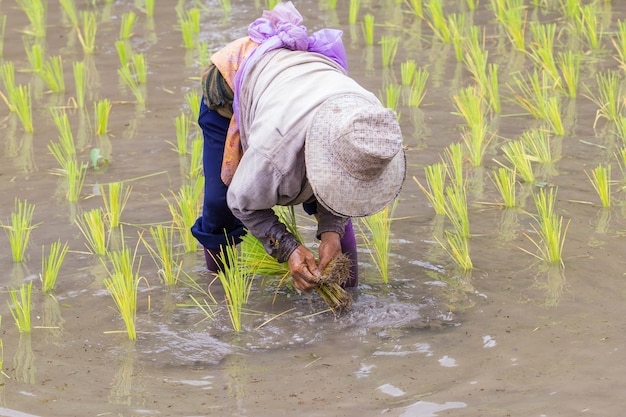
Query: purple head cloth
[{"x": 282, "y": 28}]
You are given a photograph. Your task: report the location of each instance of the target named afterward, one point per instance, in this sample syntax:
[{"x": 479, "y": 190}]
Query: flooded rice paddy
[{"x": 510, "y": 337}]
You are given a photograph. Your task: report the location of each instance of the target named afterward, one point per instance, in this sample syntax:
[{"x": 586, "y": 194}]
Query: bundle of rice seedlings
[{"x": 330, "y": 285}]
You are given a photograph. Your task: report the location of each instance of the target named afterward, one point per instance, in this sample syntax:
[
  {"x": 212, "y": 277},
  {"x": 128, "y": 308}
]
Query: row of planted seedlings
[{"x": 540, "y": 92}]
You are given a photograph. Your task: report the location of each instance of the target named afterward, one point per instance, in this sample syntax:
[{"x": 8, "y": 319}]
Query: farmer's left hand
[{"x": 330, "y": 248}]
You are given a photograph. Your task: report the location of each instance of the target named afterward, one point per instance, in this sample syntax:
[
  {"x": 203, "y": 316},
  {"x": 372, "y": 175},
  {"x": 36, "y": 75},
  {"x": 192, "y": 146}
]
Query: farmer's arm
[{"x": 330, "y": 230}]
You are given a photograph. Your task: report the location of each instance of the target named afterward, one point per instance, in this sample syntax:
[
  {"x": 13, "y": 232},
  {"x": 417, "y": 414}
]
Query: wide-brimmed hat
[{"x": 354, "y": 157}]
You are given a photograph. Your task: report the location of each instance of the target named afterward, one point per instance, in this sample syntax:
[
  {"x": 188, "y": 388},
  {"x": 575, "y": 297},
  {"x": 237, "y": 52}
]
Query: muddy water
[{"x": 510, "y": 338}]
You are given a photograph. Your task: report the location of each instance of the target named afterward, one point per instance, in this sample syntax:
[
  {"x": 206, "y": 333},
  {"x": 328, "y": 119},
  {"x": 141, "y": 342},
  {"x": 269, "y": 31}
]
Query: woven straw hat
[{"x": 354, "y": 157}]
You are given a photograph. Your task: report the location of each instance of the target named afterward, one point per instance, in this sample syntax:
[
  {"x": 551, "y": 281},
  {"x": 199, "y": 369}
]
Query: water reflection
[
  {"x": 125, "y": 388},
  {"x": 428, "y": 409},
  {"x": 551, "y": 280},
  {"x": 52, "y": 320},
  {"x": 24, "y": 360}
]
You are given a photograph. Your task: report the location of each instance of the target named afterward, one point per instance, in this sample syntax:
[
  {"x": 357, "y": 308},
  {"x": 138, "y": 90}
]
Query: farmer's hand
[
  {"x": 303, "y": 269},
  {"x": 330, "y": 248}
]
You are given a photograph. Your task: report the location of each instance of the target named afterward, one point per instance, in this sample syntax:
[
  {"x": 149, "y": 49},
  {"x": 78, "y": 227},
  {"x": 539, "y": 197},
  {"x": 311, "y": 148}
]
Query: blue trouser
[{"x": 217, "y": 221}]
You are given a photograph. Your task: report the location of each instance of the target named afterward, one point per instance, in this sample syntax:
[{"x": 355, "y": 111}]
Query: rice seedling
[
  {"x": 476, "y": 143},
  {"x": 127, "y": 24},
  {"x": 453, "y": 158},
  {"x": 601, "y": 180},
  {"x": 195, "y": 161},
  {"x": 270, "y": 4},
  {"x": 542, "y": 49},
  {"x": 552, "y": 111},
  {"x": 393, "y": 93},
  {"x": 236, "y": 282},
  {"x": 163, "y": 254},
  {"x": 389, "y": 48},
  {"x": 504, "y": 180},
  {"x": 129, "y": 78},
  {"x": 36, "y": 12},
  {"x": 20, "y": 306},
  {"x": 7, "y": 72},
  {"x": 330, "y": 284},
  {"x": 470, "y": 105},
  {"x": 182, "y": 135},
  {"x": 532, "y": 93},
  {"x": 551, "y": 231},
  {"x": 588, "y": 26},
  {"x": 19, "y": 228},
  {"x": 74, "y": 174},
  {"x": 475, "y": 58},
  {"x": 148, "y": 7},
  {"x": 492, "y": 88},
  {"x": 377, "y": 238},
  {"x": 185, "y": 211},
  {"x": 437, "y": 21},
  {"x": 457, "y": 25},
  {"x": 69, "y": 7},
  {"x": 92, "y": 226},
  {"x": 87, "y": 34},
  {"x": 202, "y": 53},
  {"x": 80, "y": 81},
  {"x": 609, "y": 97},
  {"x": 193, "y": 102},
  {"x": 471, "y": 4},
  {"x": 65, "y": 149},
  {"x": 407, "y": 72},
  {"x": 51, "y": 264},
  {"x": 140, "y": 68},
  {"x": 570, "y": 8},
  {"x": 457, "y": 247},
  {"x": 115, "y": 201},
  {"x": 515, "y": 153},
  {"x": 569, "y": 64},
  {"x": 417, "y": 7},
  {"x": 23, "y": 106},
  {"x": 353, "y": 11},
  {"x": 368, "y": 29},
  {"x": 418, "y": 88},
  {"x": 226, "y": 6},
  {"x": 512, "y": 15},
  {"x": 619, "y": 42},
  {"x": 35, "y": 55},
  {"x": 456, "y": 210},
  {"x": 122, "y": 283},
  {"x": 189, "y": 21},
  {"x": 538, "y": 146},
  {"x": 255, "y": 258},
  {"x": 102, "y": 109},
  {"x": 52, "y": 74},
  {"x": 124, "y": 53},
  {"x": 435, "y": 185},
  {"x": 3, "y": 25}
]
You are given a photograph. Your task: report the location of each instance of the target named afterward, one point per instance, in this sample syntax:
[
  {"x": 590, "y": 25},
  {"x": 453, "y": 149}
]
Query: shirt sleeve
[{"x": 328, "y": 222}]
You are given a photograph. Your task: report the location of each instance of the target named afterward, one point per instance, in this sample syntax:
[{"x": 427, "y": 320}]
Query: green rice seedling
[
  {"x": 456, "y": 210},
  {"x": 471, "y": 4},
  {"x": 3, "y": 25},
  {"x": 504, "y": 180},
  {"x": 35, "y": 55},
  {"x": 538, "y": 146},
  {"x": 193, "y": 101},
  {"x": 102, "y": 109},
  {"x": 129, "y": 78},
  {"x": 569, "y": 64},
  {"x": 532, "y": 93},
  {"x": 457, "y": 25},
  {"x": 435, "y": 185},
  {"x": 182, "y": 135},
  {"x": 512, "y": 15},
  {"x": 588, "y": 26},
  {"x": 270, "y": 4},
  {"x": 195, "y": 162},
  {"x": 438, "y": 22},
  {"x": 330, "y": 288},
  {"x": 551, "y": 231},
  {"x": 393, "y": 92},
  {"x": 601, "y": 180},
  {"x": 457, "y": 247},
  {"x": 148, "y": 7},
  {"x": 609, "y": 97},
  {"x": 51, "y": 264},
  {"x": 7, "y": 72},
  {"x": 20, "y": 228},
  {"x": 23, "y": 106},
  {"x": 185, "y": 211},
  {"x": 407, "y": 72},
  {"x": 515, "y": 153},
  {"x": 124, "y": 53},
  {"x": 65, "y": 149},
  {"x": 202, "y": 53},
  {"x": 353, "y": 11},
  {"x": 69, "y": 7},
  {"x": 542, "y": 49},
  {"x": 377, "y": 238},
  {"x": 417, "y": 7},
  {"x": 287, "y": 216},
  {"x": 80, "y": 82},
  {"x": 36, "y": 12},
  {"x": 163, "y": 254},
  {"x": 552, "y": 111},
  {"x": 75, "y": 175},
  {"x": 368, "y": 29},
  {"x": 115, "y": 201},
  {"x": 476, "y": 141},
  {"x": 255, "y": 259},
  {"x": 92, "y": 226},
  {"x": 189, "y": 21},
  {"x": 236, "y": 282},
  {"x": 140, "y": 68},
  {"x": 20, "y": 306},
  {"x": 389, "y": 49},
  {"x": 492, "y": 88},
  {"x": 129, "y": 19},
  {"x": 453, "y": 158},
  {"x": 123, "y": 283},
  {"x": 418, "y": 88},
  {"x": 470, "y": 105},
  {"x": 619, "y": 42},
  {"x": 87, "y": 34},
  {"x": 570, "y": 8},
  {"x": 475, "y": 58},
  {"x": 226, "y": 6},
  {"x": 52, "y": 74}
]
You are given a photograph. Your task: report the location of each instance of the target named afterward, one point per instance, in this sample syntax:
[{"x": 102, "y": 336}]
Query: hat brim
[{"x": 336, "y": 189}]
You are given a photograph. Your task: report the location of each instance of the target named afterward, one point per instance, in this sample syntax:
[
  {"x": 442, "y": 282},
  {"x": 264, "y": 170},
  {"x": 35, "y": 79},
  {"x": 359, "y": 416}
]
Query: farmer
[{"x": 284, "y": 125}]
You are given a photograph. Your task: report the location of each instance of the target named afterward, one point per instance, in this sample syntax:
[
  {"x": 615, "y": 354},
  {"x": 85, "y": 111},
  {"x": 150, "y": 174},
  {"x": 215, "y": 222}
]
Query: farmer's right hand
[{"x": 303, "y": 268}]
